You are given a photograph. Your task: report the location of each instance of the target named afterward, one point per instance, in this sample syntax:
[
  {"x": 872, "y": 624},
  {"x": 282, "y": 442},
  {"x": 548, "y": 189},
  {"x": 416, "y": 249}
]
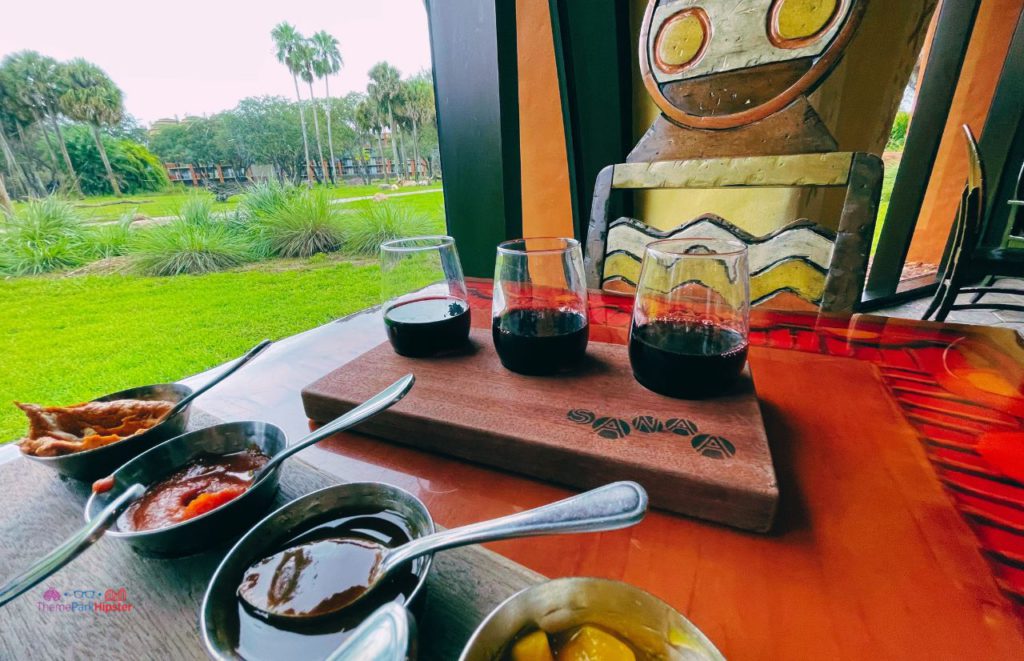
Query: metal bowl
[
  {"x": 99, "y": 462},
  {"x": 647, "y": 622},
  {"x": 220, "y": 621},
  {"x": 218, "y": 525}
]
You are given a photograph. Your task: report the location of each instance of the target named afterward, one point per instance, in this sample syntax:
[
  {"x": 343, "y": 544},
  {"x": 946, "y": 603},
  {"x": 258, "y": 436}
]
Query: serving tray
[
  {"x": 707, "y": 458},
  {"x": 41, "y": 510}
]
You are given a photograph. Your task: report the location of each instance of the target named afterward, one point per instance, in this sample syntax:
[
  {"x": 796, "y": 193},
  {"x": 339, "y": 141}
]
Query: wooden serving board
[
  {"x": 41, "y": 510},
  {"x": 708, "y": 459}
]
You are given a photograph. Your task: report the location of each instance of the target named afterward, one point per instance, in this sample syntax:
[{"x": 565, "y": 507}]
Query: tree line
[
  {"x": 63, "y": 125},
  {"x": 48, "y": 107},
  {"x": 400, "y": 106},
  {"x": 275, "y": 131}
]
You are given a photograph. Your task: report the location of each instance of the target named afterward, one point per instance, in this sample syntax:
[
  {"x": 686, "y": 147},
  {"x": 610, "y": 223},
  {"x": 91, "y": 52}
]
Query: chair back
[
  {"x": 967, "y": 226},
  {"x": 799, "y": 264}
]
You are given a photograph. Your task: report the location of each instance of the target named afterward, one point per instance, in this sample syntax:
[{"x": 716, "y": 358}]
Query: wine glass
[
  {"x": 539, "y": 309},
  {"x": 691, "y": 317},
  {"x": 426, "y": 308}
]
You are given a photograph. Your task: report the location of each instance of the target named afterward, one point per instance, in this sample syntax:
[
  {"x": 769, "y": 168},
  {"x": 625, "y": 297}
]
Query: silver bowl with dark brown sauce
[{"x": 232, "y": 630}]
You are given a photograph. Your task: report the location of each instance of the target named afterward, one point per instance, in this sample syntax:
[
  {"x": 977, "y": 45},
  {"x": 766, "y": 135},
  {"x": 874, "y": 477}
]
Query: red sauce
[
  {"x": 204, "y": 484},
  {"x": 103, "y": 485}
]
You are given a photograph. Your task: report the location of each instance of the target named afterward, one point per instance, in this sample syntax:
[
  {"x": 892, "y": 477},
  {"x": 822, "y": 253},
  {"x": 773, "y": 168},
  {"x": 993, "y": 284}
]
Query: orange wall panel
[
  {"x": 990, "y": 40},
  {"x": 547, "y": 203}
]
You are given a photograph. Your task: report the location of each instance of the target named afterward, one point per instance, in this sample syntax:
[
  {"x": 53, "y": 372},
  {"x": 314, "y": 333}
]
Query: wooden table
[{"x": 897, "y": 537}]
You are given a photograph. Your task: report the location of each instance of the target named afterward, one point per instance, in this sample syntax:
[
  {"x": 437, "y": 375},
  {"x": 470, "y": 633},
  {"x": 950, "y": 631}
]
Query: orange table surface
[{"x": 898, "y": 451}]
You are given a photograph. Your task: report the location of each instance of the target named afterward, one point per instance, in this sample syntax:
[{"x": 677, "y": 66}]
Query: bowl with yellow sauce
[{"x": 587, "y": 619}]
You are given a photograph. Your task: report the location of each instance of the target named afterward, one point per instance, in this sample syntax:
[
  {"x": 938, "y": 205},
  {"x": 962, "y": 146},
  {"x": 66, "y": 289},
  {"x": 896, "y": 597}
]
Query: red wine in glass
[
  {"x": 539, "y": 341},
  {"x": 428, "y": 326},
  {"x": 686, "y": 359}
]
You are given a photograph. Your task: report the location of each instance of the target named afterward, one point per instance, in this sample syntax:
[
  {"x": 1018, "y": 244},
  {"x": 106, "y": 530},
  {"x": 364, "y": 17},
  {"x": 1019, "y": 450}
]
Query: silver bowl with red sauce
[{"x": 216, "y": 526}]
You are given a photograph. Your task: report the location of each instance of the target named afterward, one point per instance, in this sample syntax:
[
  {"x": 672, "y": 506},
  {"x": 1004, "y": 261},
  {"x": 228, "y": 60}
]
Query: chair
[
  {"x": 1010, "y": 240},
  {"x": 800, "y": 264},
  {"x": 967, "y": 261}
]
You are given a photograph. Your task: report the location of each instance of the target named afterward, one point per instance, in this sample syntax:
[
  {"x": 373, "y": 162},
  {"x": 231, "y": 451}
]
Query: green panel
[
  {"x": 473, "y": 44},
  {"x": 594, "y": 54}
]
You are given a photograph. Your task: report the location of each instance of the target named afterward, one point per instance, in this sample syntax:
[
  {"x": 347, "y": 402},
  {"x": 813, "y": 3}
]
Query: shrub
[
  {"x": 44, "y": 235},
  {"x": 6, "y": 261},
  {"x": 266, "y": 200},
  {"x": 136, "y": 168},
  {"x": 378, "y": 222},
  {"x": 110, "y": 239},
  {"x": 197, "y": 209},
  {"x": 898, "y": 133},
  {"x": 194, "y": 242},
  {"x": 296, "y": 225}
]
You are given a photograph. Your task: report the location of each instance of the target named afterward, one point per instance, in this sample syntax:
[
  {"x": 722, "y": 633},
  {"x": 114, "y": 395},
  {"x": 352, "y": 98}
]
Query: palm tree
[
  {"x": 93, "y": 98},
  {"x": 399, "y": 104},
  {"x": 287, "y": 40},
  {"x": 40, "y": 85},
  {"x": 305, "y": 55},
  {"x": 5, "y": 199},
  {"x": 419, "y": 109},
  {"x": 9, "y": 117},
  {"x": 383, "y": 89},
  {"x": 327, "y": 63},
  {"x": 368, "y": 120}
]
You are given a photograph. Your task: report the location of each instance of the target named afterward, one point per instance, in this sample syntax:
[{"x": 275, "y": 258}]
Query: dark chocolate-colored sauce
[
  {"x": 258, "y": 636},
  {"x": 312, "y": 579}
]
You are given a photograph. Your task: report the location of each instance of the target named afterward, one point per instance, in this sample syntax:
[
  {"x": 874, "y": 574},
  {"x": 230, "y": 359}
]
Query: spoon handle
[
  {"x": 386, "y": 635},
  {"x": 371, "y": 407},
  {"x": 610, "y": 507},
  {"x": 67, "y": 551},
  {"x": 252, "y": 353}
]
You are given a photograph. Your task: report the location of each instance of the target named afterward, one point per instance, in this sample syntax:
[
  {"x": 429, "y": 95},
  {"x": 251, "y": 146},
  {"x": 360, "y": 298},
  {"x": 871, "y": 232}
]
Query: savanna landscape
[{"x": 135, "y": 277}]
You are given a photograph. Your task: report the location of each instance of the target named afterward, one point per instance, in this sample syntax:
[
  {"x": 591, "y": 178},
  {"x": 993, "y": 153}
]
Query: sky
[{"x": 176, "y": 58}]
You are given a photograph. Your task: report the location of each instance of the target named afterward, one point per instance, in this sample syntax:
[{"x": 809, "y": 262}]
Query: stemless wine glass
[
  {"x": 539, "y": 309},
  {"x": 691, "y": 317},
  {"x": 426, "y": 308}
]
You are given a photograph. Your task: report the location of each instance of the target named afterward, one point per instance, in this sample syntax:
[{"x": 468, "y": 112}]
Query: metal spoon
[
  {"x": 85, "y": 537},
  {"x": 70, "y": 549},
  {"x": 387, "y": 635},
  {"x": 382, "y": 400},
  {"x": 285, "y": 584},
  {"x": 249, "y": 355}
]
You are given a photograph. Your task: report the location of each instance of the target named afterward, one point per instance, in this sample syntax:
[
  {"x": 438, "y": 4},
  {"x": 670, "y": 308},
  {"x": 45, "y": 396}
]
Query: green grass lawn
[
  {"x": 69, "y": 339},
  {"x": 431, "y": 205},
  {"x": 166, "y": 203},
  {"x": 888, "y": 180}
]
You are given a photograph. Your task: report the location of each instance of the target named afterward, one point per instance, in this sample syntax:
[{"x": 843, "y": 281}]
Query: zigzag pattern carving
[{"x": 794, "y": 258}]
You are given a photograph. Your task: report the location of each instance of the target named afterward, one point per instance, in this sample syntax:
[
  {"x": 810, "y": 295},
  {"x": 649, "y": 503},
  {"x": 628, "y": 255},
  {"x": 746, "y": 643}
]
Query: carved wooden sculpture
[
  {"x": 731, "y": 76},
  {"x": 798, "y": 264}
]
